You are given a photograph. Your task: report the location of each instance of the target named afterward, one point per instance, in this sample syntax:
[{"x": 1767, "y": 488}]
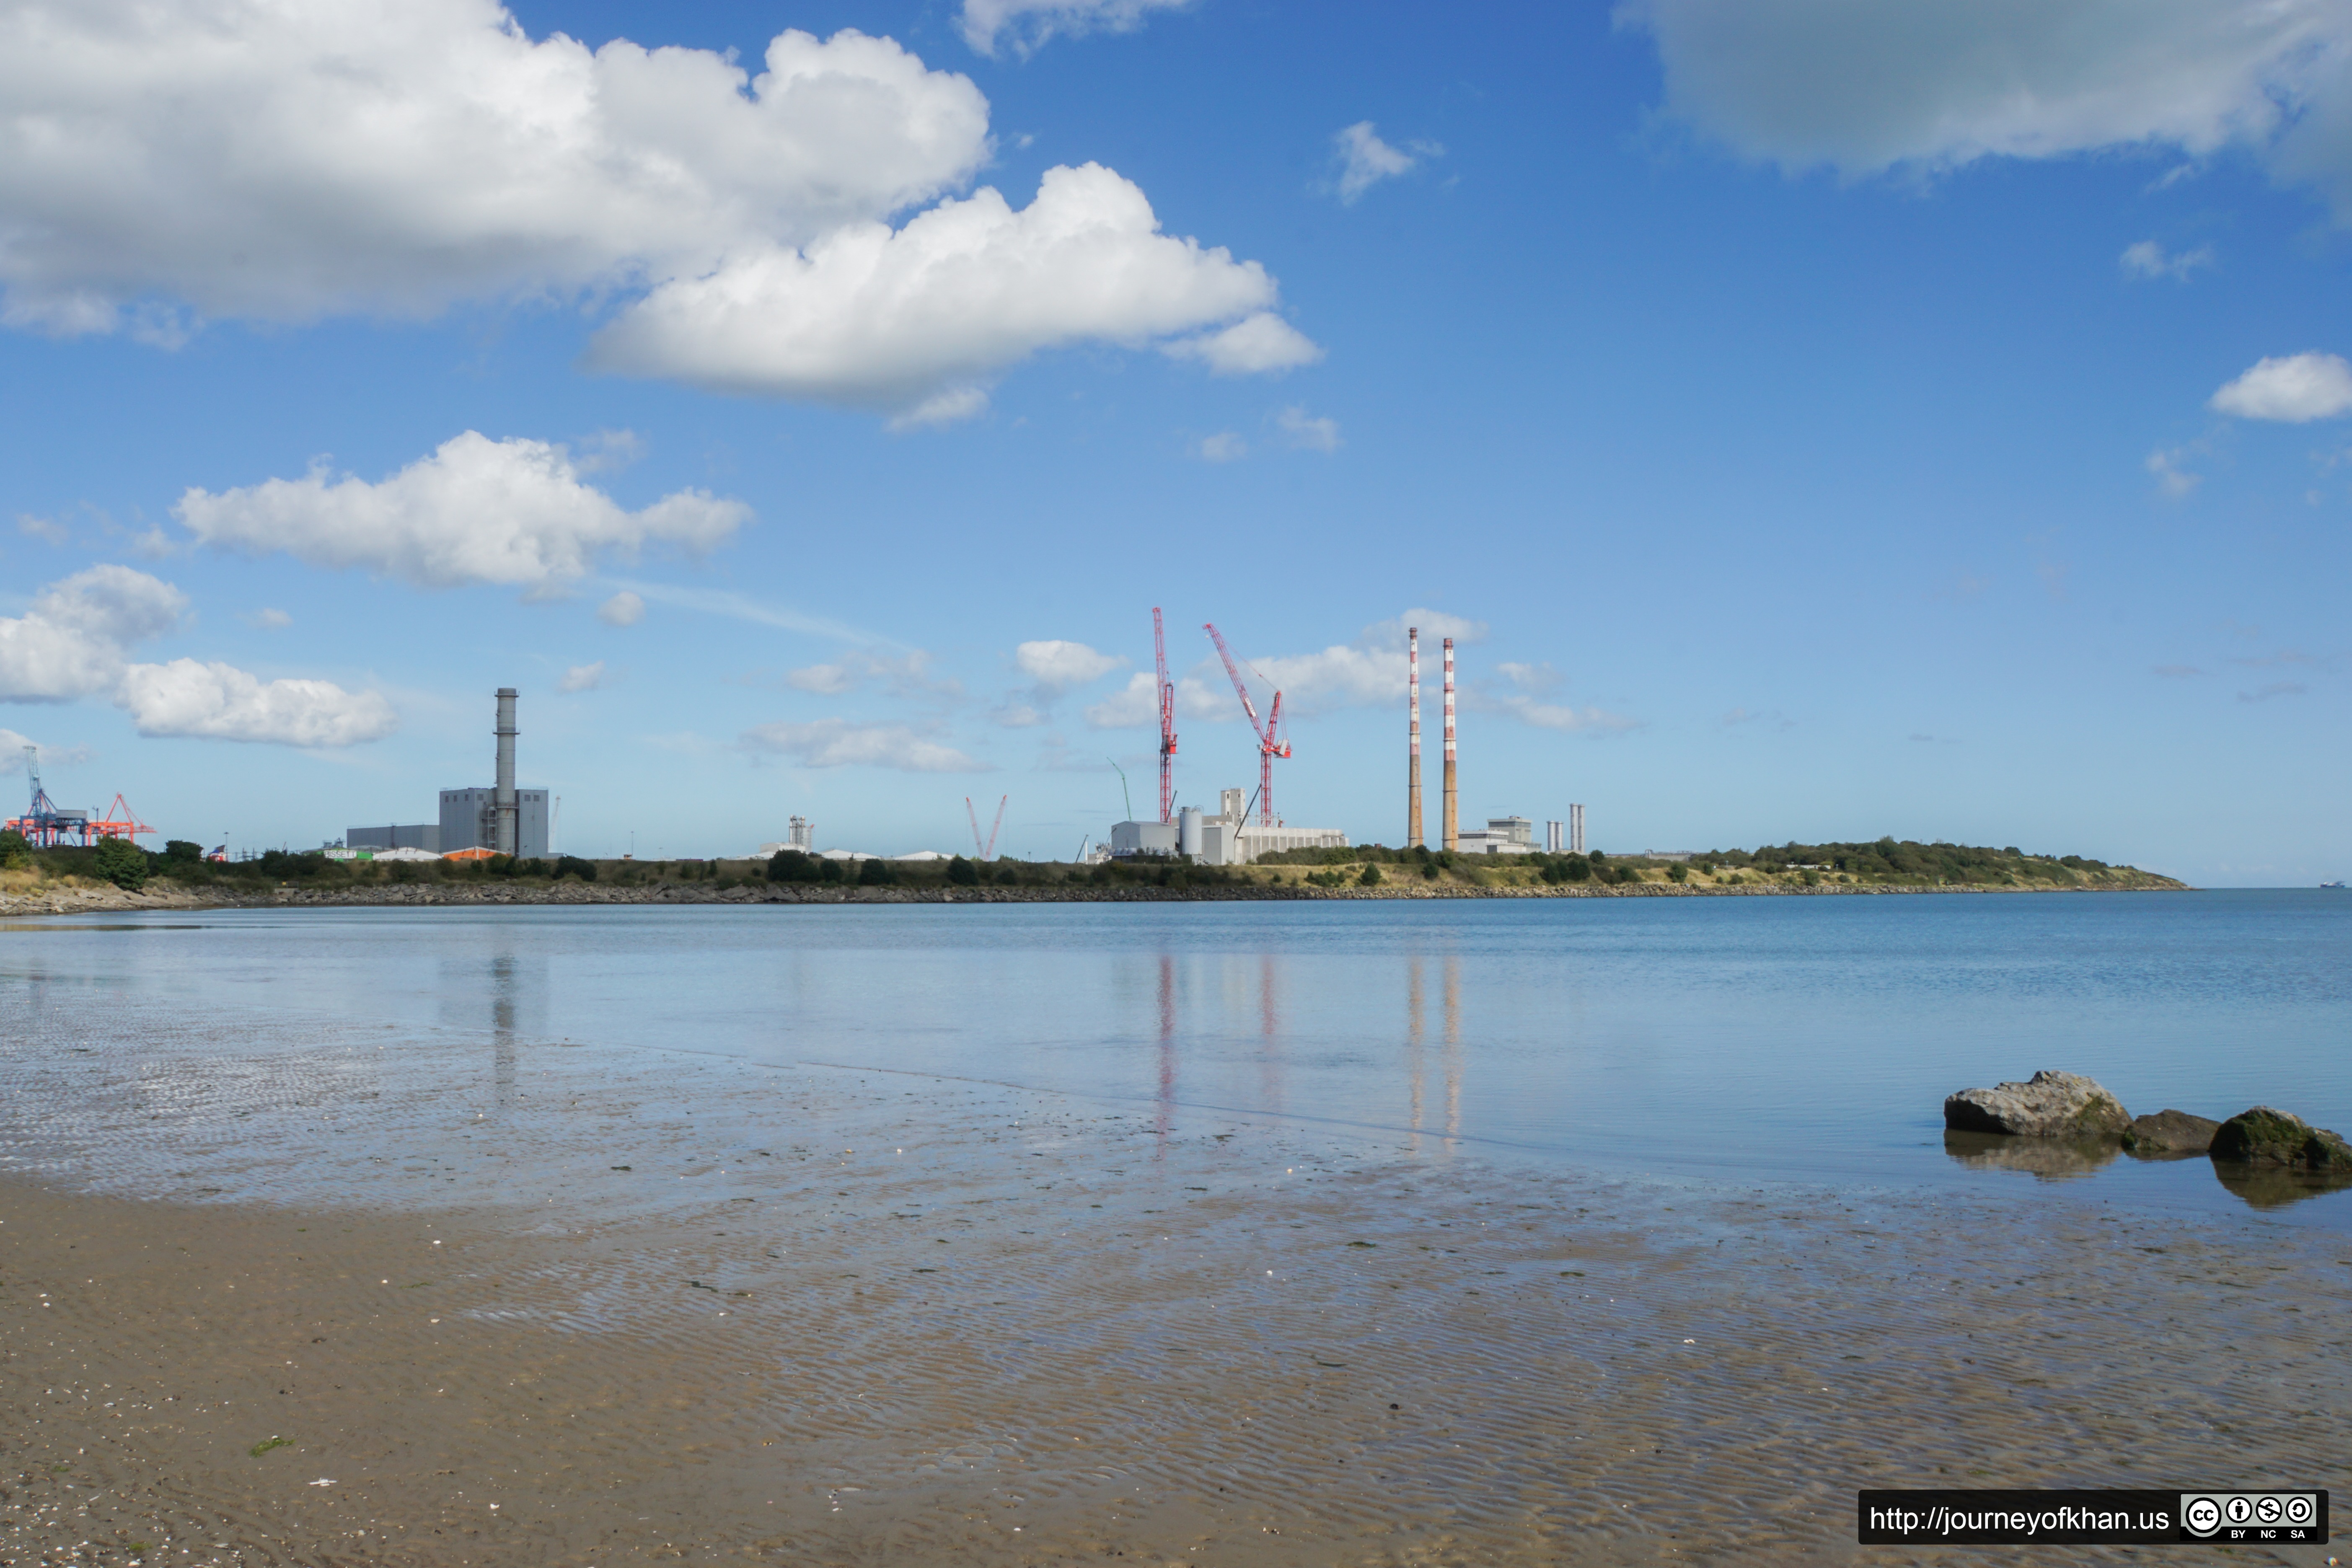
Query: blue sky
[{"x": 1816, "y": 420}]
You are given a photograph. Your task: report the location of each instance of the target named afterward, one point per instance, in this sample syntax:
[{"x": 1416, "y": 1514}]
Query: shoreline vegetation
[{"x": 117, "y": 876}]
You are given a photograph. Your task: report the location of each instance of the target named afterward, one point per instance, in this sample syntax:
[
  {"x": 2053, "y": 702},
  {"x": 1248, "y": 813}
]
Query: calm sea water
[{"x": 1786, "y": 1039}]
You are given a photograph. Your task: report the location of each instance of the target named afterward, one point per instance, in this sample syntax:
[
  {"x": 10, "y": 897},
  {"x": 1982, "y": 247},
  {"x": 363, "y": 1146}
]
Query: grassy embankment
[{"x": 1373, "y": 870}]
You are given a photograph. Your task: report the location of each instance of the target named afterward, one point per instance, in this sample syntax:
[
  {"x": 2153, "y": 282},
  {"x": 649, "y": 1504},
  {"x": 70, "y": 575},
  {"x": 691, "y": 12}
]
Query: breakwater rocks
[
  {"x": 70, "y": 899},
  {"x": 2064, "y": 1124}
]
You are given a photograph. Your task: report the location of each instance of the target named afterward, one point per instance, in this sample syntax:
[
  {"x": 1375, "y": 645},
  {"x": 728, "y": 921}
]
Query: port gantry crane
[
  {"x": 1166, "y": 693},
  {"x": 1270, "y": 743}
]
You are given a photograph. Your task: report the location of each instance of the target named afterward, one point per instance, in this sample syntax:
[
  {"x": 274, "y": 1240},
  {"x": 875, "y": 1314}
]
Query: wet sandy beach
[{"x": 511, "y": 1302}]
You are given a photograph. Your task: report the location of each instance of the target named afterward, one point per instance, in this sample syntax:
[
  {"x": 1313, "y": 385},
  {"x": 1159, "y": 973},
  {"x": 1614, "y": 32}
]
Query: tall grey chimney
[{"x": 505, "y": 816}]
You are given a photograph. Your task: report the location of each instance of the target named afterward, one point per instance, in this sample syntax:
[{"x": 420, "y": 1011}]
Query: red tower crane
[
  {"x": 1270, "y": 745},
  {"x": 1166, "y": 720}
]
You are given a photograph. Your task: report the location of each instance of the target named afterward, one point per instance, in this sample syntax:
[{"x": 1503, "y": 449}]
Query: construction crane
[
  {"x": 1270, "y": 743},
  {"x": 1166, "y": 720},
  {"x": 987, "y": 850}
]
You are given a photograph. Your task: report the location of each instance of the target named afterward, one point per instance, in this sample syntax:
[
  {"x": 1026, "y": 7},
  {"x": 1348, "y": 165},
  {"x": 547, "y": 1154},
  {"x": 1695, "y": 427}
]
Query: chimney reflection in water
[
  {"x": 1412, "y": 1033},
  {"x": 503, "y": 1026},
  {"x": 1453, "y": 1047}
]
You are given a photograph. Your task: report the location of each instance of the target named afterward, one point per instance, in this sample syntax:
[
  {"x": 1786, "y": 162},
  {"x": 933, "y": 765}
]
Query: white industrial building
[
  {"x": 1503, "y": 836},
  {"x": 1226, "y": 838}
]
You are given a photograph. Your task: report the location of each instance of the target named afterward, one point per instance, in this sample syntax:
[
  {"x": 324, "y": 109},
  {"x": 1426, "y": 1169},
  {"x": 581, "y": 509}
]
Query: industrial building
[
  {"x": 1503, "y": 836},
  {"x": 395, "y": 836},
  {"x": 1227, "y": 838},
  {"x": 500, "y": 818},
  {"x": 800, "y": 833},
  {"x": 469, "y": 821}
]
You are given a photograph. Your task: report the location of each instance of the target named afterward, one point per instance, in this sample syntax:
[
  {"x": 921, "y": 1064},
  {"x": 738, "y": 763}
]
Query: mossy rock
[{"x": 2263, "y": 1136}]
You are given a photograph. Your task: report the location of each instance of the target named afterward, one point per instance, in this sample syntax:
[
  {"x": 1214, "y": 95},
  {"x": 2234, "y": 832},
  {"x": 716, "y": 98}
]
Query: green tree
[
  {"x": 1677, "y": 872},
  {"x": 16, "y": 850},
  {"x": 963, "y": 873},
  {"x": 1370, "y": 878},
  {"x": 875, "y": 873},
  {"x": 791, "y": 866},
  {"x": 120, "y": 862}
]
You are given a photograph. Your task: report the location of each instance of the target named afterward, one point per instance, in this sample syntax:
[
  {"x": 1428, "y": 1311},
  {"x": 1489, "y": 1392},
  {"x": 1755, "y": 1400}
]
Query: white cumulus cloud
[
  {"x": 163, "y": 164},
  {"x": 623, "y": 609},
  {"x": 900, "y": 319},
  {"x": 71, "y": 643},
  {"x": 838, "y": 743},
  {"x": 1260, "y": 344},
  {"x": 1022, "y": 26},
  {"x": 74, "y": 642},
  {"x": 583, "y": 678},
  {"x": 220, "y": 703},
  {"x": 1863, "y": 86},
  {"x": 1367, "y": 672},
  {"x": 1057, "y": 666},
  {"x": 12, "y": 752},
  {"x": 1135, "y": 705},
  {"x": 2294, "y": 390},
  {"x": 289, "y": 161},
  {"x": 510, "y": 513},
  {"x": 1224, "y": 446},
  {"x": 1365, "y": 160}
]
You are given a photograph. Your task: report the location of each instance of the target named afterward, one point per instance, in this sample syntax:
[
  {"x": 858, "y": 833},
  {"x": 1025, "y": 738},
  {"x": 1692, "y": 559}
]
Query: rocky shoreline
[{"x": 61, "y": 899}]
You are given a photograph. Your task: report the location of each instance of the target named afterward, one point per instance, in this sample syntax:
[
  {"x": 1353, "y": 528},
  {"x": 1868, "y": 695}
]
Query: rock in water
[
  {"x": 2170, "y": 1133},
  {"x": 2266, "y": 1137},
  {"x": 2053, "y": 1105}
]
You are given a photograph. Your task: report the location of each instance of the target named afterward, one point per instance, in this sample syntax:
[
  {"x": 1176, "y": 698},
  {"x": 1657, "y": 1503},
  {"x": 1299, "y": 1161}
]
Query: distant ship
[{"x": 2338, "y": 886}]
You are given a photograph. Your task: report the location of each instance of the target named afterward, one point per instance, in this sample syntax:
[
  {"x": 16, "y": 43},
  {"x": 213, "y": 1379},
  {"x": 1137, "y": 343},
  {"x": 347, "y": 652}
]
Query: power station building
[
  {"x": 1224, "y": 839},
  {"x": 500, "y": 818},
  {"x": 1503, "y": 836},
  {"x": 469, "y": 821},
  {"x": 426, "y": 835}
]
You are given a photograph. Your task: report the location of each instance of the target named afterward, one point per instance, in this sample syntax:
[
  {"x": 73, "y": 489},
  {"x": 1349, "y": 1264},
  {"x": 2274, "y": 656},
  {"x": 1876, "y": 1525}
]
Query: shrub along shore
[{"x": 117, "y": 875}]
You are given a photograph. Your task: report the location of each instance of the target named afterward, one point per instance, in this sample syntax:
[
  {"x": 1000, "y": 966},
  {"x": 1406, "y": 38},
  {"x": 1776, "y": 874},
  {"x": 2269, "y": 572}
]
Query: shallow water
[
  {"x": 1567, "y": 1234},
  {"x": 1724, "y": 1040}
]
